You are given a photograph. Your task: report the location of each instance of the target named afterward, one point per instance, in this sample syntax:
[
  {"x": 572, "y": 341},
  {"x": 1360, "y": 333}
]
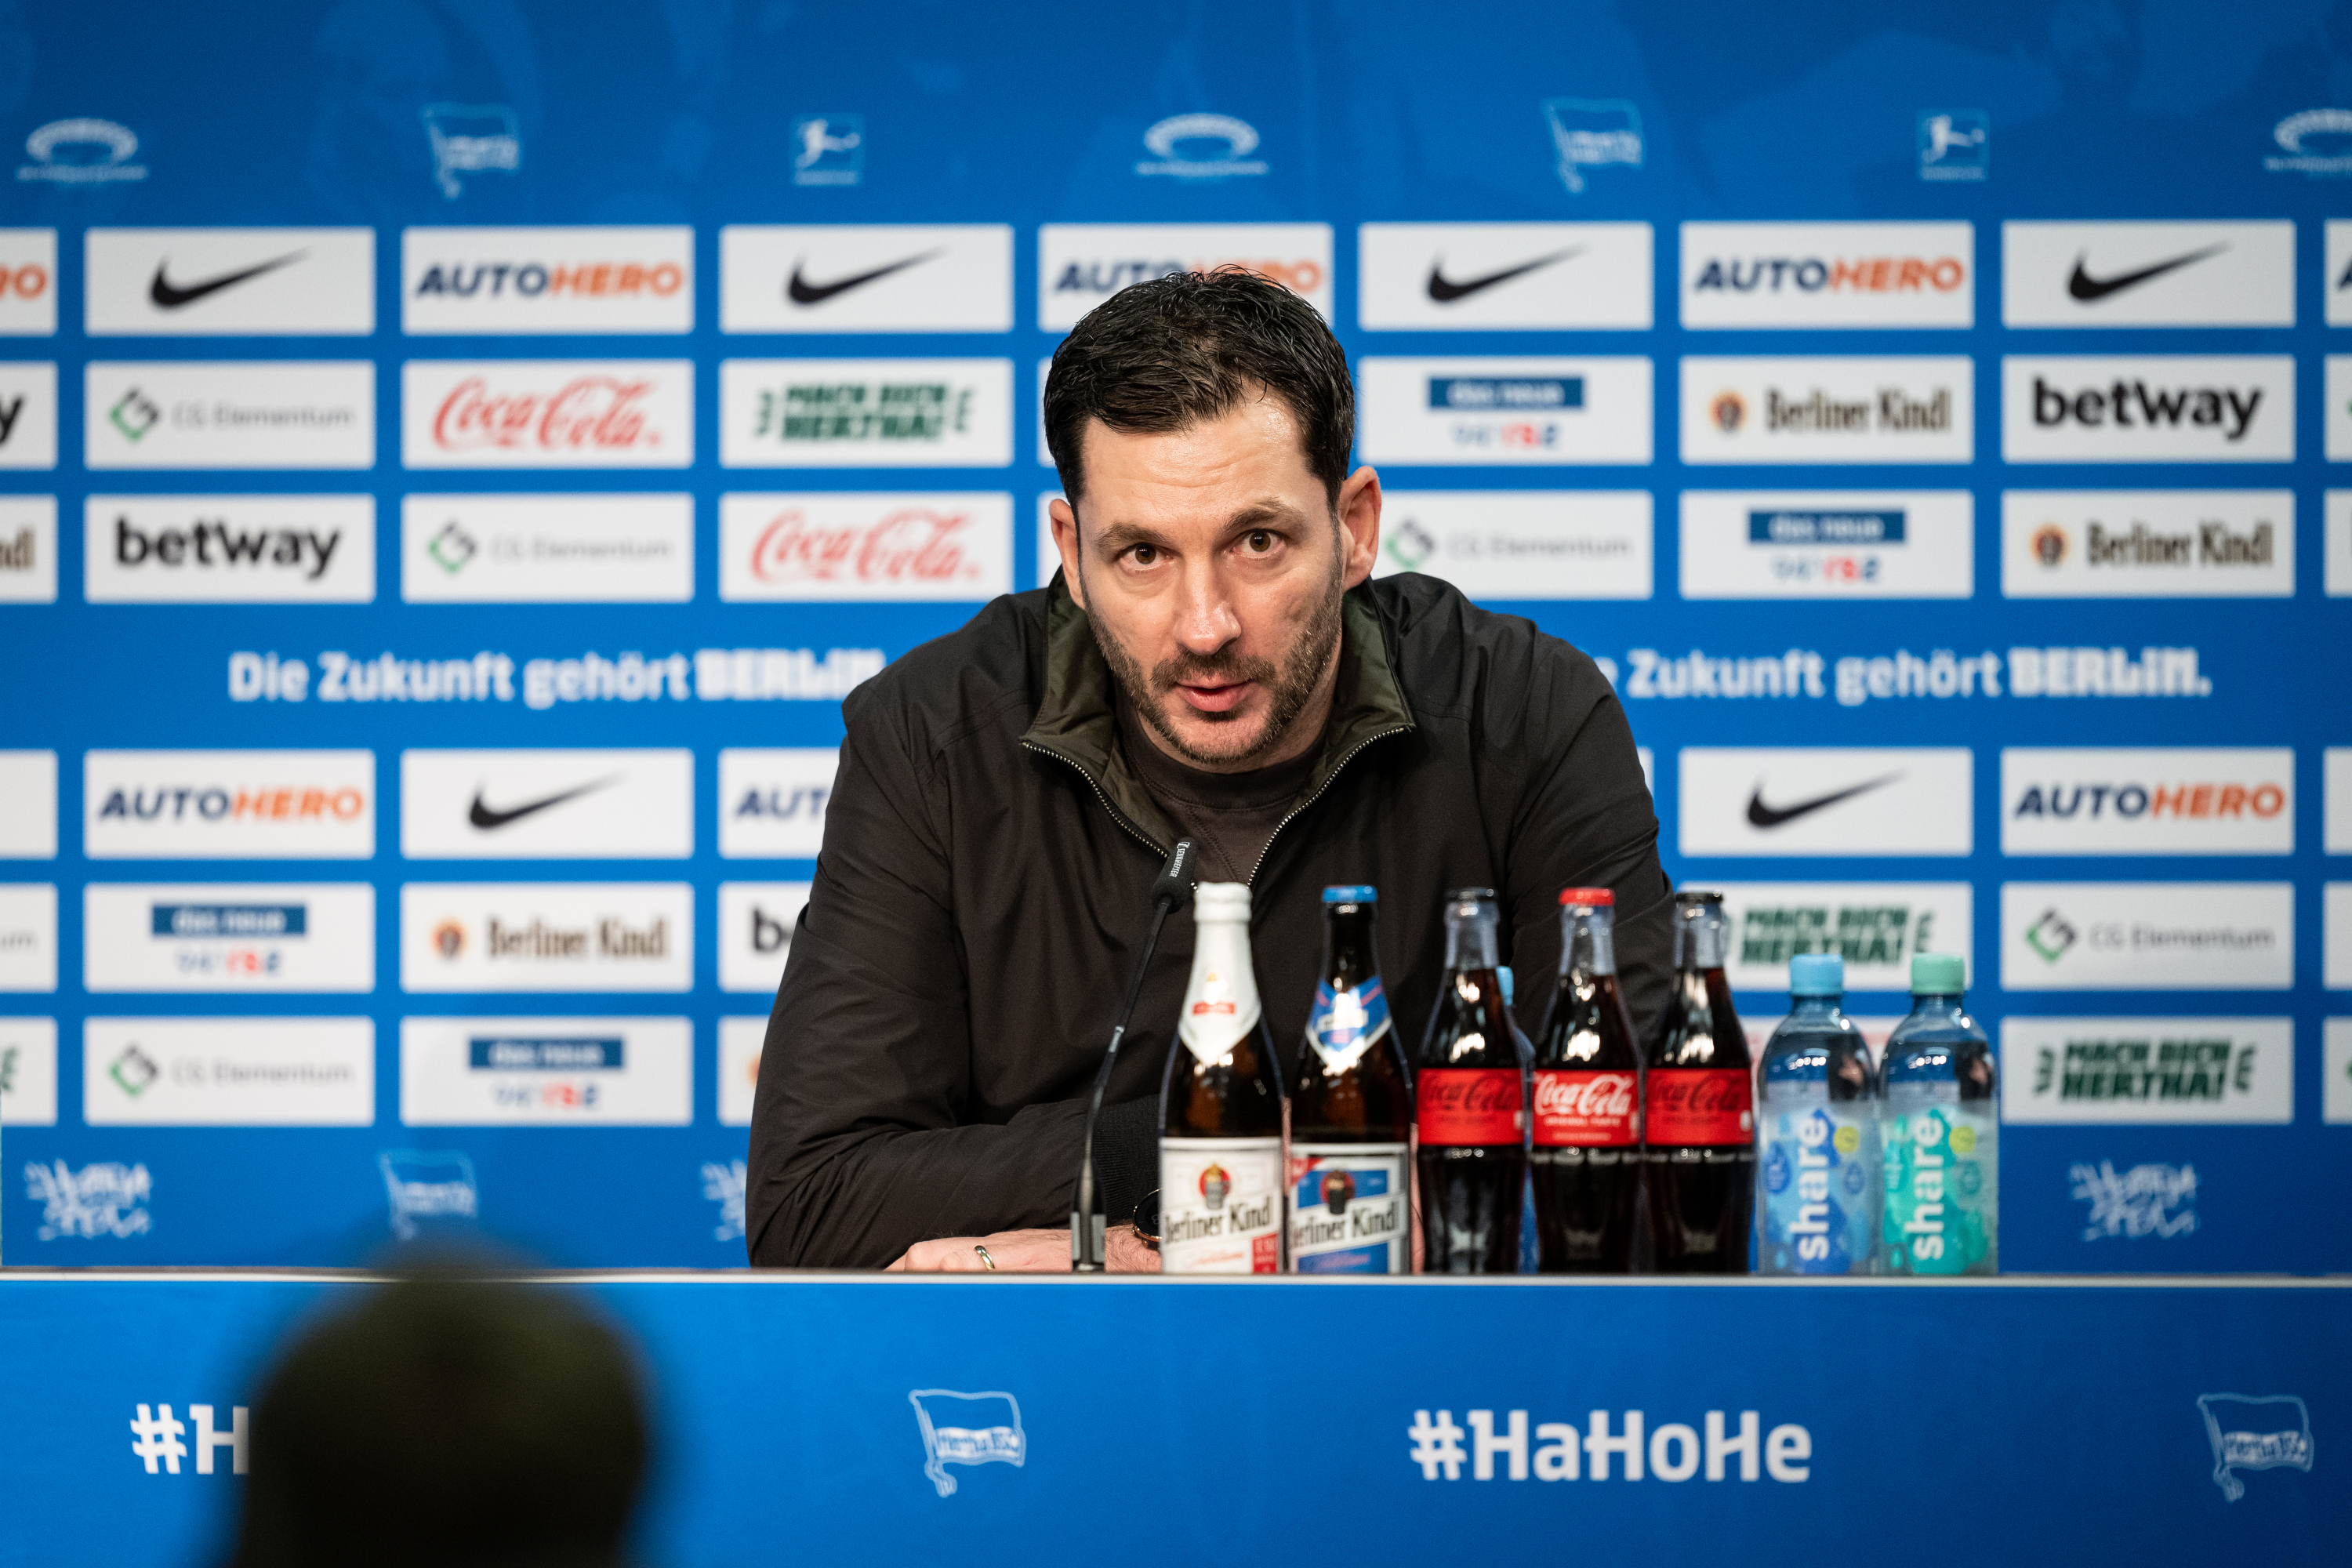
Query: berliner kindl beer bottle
[
  {"x": 1350, "y": 1111},
  {"x": 1469, "y": 1104},
  {"x": 1699, "y": 1113},
  {"x": 1220, "y": 1108},
  {"x": 1587, "y": 1105}
]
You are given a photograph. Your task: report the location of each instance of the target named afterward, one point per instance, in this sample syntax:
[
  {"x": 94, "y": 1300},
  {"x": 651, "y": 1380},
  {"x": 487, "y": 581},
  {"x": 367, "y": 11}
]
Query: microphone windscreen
[{"x": 1174, "y": 887}]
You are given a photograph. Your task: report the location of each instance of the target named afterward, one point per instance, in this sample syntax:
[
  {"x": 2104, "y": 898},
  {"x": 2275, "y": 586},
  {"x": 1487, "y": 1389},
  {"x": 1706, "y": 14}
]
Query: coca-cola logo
[
  {"x": 1699, "y": 1093},
  {"x": 1470, "y": 1093},
  {"x": 591, "y": 413},
  {"x": 912, "y": 544},
  {"x": 1601, "y": 1095}
]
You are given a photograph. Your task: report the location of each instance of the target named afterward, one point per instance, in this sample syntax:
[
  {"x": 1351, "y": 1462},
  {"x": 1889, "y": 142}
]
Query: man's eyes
[{"x": 1257, "y": 541}]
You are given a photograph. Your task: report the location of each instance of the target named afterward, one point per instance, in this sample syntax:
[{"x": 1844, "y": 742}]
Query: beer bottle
[
  {"x": 1699, "y": 1110},
  {"x": 1588, "y": 1102},
  {"x": 1469, "y": 1104},
  {"x": 1351, "y": 1111},
  {"x": 1220, "y": 1108}
]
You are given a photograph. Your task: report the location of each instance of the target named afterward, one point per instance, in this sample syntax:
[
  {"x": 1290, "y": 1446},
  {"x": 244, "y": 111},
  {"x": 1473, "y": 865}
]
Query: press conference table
[{"x": 816, "y": 1418}]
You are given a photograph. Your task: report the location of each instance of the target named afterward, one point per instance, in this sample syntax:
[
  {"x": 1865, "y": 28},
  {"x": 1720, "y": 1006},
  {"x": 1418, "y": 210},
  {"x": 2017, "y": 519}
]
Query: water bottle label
[
  {"x": 1690, "y": 1107},
  {"x": 1943, "y": 1186},
  {"x": 1588, "y": 1110},
  {"x": 1348, "y": 1209},
  {"x": 1468, "y": 1108},
  {"x": 1221, "y": 1206},
  {"x": 1818, "y": 1208},
  {"x": 1344, "y": 1025}
]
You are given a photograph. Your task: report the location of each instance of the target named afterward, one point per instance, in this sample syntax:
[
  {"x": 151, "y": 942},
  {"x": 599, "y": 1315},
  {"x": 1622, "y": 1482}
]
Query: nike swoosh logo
[
  {"x": 2086, "y": 288},
  {"x": 1764, "y": 815},
  {"x": 171, "y": 296},
  {"x": 801, "y": 292},
  {"x": 483, "y": 817},
  {"x": 1444, "y": 290}
]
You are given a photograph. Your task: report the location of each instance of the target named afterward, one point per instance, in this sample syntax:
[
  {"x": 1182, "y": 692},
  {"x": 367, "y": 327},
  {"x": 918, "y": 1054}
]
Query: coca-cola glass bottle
[
  {"x": 1698, "y": 1107},
  {"x": 1351, "y": 1111},
  {"x": 1469, "y": 1104},
  {"x": 1588, "y": 1102}
]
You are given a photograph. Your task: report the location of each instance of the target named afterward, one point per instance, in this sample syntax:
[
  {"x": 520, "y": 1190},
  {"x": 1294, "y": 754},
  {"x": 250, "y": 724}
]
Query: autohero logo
[
  {"x": 1876, "y": 927},
  {"x": 546, "y": 1072},
  {"x": 1817, "y": 275},
  {"x": 81, "y": 152},
  {"x": 756, "y": 921},
  {"x": 1590, "y": 134},
  {"x": 547, "y": 413},
  {"x": 1081, "y": 265},
  {"x": 229, "y": 549},
  {"x": 772, "y": 801},
  {"x": 2151, "y": 1071},
  {"x": 28, "y": 271},
  {"x": 1562, "y": 1451},
  {"x": 228, "y": 1072},
  {"x": 1816, "y": 800},
  {"x": 1506, "y": 410},
  {"x": 535, "y": 804},
  {"x": 1503, "y": 276},
  {"x": 1816, "y": 544},
  {"x": 1522, "y": 544},
  {"x": 2148, "y": 409},
  {"x": 1200, "y": 147},
  {"x": 1828, "y": 410},
  {"x": 215, "y": 414},
  {"x": 575, "y": 280},
  {"x": 2315, "y": 143},
  {"x": 240, "y": 805},
  {"x": 242, "y": 282},
  {"x": 228, "y": 937},
  {"x": 2147, "y": 274},
  {"x": 865, "y": 278},
  {"x": 849, "y": 546},
  {"x": 2147, "y": 544},
  {"x": 550, "y": 549},
  {"x": 875, "y": 413},
  {"x": 2185, "y": 801},
  {"x": 2151, "y": 936},
  {"x": 546, "y": 936}
]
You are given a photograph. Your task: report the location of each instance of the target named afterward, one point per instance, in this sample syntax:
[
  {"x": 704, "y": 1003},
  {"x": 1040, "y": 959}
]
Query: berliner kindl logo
[
  {"x": 1215, "y": 1183},
  {"x": 1730, "y": 411},
  {"x": 2049, "y": 544}
]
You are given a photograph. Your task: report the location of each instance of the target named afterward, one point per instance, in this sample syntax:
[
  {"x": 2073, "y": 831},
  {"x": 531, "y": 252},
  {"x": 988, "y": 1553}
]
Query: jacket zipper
[
  {"x": 1136, "y": 832},
  {"x": 1311, "y": 799}
]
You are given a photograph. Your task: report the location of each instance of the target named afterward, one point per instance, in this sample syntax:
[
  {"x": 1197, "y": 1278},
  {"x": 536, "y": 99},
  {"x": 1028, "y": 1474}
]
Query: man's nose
[{"x": 1205, "y": 621}]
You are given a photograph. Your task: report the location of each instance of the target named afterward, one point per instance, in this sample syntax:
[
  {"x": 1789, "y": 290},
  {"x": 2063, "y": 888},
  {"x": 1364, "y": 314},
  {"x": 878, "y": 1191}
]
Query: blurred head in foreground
[{"x": 447, "y": 1422}]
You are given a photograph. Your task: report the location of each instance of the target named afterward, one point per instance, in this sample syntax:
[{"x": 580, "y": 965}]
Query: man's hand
[{"x": 1024, "y": 1252}]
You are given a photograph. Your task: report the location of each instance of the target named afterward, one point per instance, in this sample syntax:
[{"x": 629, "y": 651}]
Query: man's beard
[{"x": 1290, "y": 687}]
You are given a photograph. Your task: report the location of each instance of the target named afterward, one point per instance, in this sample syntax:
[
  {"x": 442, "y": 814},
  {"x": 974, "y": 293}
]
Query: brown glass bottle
[
  {"x": 1221, "y": 1107},
  {"x": 1351, "y": 1111}
]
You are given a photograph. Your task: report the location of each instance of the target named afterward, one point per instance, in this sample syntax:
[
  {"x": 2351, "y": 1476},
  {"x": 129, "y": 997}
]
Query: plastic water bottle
[
  {"x": 1818, "y": 1168},
  {"x": 1942, "y": 1131}
]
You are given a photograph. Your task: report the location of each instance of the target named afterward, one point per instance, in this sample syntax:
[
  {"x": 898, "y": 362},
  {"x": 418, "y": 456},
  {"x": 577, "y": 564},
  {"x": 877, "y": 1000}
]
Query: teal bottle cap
[
  {"x": 1939, "y": 974},
  {"x": 1816, "y": 974}
]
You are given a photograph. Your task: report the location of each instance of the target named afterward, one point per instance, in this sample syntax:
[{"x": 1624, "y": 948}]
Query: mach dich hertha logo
[{"x": 966, "y": 1430}]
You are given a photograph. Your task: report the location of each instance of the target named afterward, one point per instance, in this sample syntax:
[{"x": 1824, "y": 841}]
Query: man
[{"x": 1211, "y": 661}]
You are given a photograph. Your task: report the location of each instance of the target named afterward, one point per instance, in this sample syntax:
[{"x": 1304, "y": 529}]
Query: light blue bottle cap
[
  {"x": 1353, "y": 895},
  {"x": 1817, "y": 974}
]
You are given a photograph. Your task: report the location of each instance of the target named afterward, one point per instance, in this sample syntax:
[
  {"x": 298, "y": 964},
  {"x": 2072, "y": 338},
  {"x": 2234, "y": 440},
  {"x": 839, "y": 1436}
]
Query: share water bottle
[
  {"x": 1817, "y": 1169},
  {"x": 1942, "y": 1132}
]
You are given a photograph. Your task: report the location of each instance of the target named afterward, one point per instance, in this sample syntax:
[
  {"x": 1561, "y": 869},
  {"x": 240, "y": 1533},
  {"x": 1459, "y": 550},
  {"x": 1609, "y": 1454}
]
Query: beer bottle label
[
  {"x": 1698, "y": 1106},
  {"x": 1344, "y": 1025},
  {"x": 1943, "y": 1182},
  {"x": 1588, "y": 1110},
  {"x": 1348, "y": 1209},
  {"x": 1817, "y": 1206},
  {"x": 1222, "y": 1004},
  {"x": 1468, "y": 1107},
  {"x": 1221, "y": 1206}
]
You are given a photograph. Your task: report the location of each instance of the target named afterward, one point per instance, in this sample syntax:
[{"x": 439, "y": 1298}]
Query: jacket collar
[{"x": 1077, "y": 723}]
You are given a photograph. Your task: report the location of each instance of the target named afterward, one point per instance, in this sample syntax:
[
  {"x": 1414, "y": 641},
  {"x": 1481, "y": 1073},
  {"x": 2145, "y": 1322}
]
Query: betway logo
[
  {"x": 1828, "y": 274},
  {"x": 867, "y": 547},
  {"x": 2226, "y": 407},
  {"x": 547, "y": 413},
  {"x": 585, "y": 281},
  {"x": 2148, "y": 409},
  {"x": 212, "y": 543}
]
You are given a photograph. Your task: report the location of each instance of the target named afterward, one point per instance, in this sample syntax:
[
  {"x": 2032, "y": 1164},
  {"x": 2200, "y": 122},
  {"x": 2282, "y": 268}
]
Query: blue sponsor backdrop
[{"x": 517, "y": 112}]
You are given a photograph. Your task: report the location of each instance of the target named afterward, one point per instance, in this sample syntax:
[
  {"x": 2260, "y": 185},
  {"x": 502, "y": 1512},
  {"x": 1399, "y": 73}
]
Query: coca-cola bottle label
[
  {"x": 1468, "y": 1107},
  {"x": 1221, "y": 1206},
  {"x": 1348, "y": 1209},
  {"x": 1699, "y": 1105},
  {"x": 1344, "y": 1025},
  {"x": 1586, "y": 1110}
]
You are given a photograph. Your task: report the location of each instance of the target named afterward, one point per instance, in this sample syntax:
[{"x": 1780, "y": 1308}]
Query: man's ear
[
  {"x": 1359, "y": 525},
  {"x": 1065, "y": 540}
]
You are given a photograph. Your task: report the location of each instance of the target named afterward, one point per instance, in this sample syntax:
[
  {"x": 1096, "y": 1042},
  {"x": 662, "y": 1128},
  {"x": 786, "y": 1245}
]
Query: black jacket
[{"x": 981, "y": 896}]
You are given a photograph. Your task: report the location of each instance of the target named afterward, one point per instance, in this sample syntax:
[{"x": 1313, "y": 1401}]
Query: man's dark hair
[
  {"x": 446, "y": 1421},
  {"x": 1189, "y": 347}
]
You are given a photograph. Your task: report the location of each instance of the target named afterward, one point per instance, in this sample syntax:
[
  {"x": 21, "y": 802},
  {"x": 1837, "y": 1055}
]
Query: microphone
[{"x": 1171, "y": 891}]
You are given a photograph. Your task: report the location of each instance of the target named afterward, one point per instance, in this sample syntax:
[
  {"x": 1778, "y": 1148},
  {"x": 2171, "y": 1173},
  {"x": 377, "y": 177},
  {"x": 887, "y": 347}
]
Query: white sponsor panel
[
  {"x": 756, "y": 921},
  {"x": 772, "y": 801},
  {"x": 2147, "y": 544},
  {"x": 739, "y": 1043},
  {"x": 1856, "y": 408},
  {"x": 2339, "y": 408},
  {"x": 1080, "y": 265},
  {"x": 546, "y": 805},
  {"x": 1828, "y": 544},
  {"x": 2336, "y": 1071},
  {"x": 2131, "y": 274},
  {"x": 28, "y": 806},
  {"x": 2148, "y": 408},
  {"x": 1876, "y": 927},
  {"x": 582, "y": 280},
  {"x": 228, "y": 1072},
  {"x": 1503, "y": 276},
  {"x": 28, "y": 550},
  {"x": 228, "y": 414},
  {"x": 1521, "y": 544},
  {"x": 546, "y": 936},
  {"x": 28, "y": 414},
  {"x": 547, "y": 413},
  {"x": 1808, "y": 801},
  {"x": 228, "y": 282},
  {"x": 2147, "y": 1072},
  {"x": 229, "y": 936},
  {"x": 2336, "y": 283},
  {"x": 2337, "y": 761},
  {"x": 1828, "y": 274},
  {"x": 611, "y": 549},
  {"x": 865, "y": 278},
  {"x": 855, "y": 546},
  {"x": 28, "y": 936},
  {"x": 2146, "y": 936},
  {"x": 1487, "y": 412},
  {"x": 2338, "y": 550},
  {"x": 28, "y": 1072},
  {"x": 2336, "y": 924},
  {"x": 866, "y": 412},
  {"x": 546, "y": 1072},
  {"x": 228, "y": 805},
  {"x": 2189, "y": 800},
  {"x": 28, "y": 283},
  {"x": 242, "y": 550}
]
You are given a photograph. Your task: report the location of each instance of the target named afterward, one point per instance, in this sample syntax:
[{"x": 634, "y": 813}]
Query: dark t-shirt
[{"x": 1230, "y": 818}]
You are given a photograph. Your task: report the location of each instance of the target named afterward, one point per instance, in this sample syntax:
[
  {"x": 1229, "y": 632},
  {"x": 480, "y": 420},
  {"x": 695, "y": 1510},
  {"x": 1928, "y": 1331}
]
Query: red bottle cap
[{"x": 1598, "y": 898}]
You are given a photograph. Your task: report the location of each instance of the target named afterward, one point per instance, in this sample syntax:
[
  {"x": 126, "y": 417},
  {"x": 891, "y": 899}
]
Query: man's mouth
[{"x": 1204, "y": 697}]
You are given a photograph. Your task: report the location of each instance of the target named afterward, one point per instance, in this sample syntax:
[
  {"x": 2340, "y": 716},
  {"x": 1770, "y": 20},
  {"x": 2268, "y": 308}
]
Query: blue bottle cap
[
  {"x": 1816, "y": 974},
  {"x": 1354, "y": 895}
]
